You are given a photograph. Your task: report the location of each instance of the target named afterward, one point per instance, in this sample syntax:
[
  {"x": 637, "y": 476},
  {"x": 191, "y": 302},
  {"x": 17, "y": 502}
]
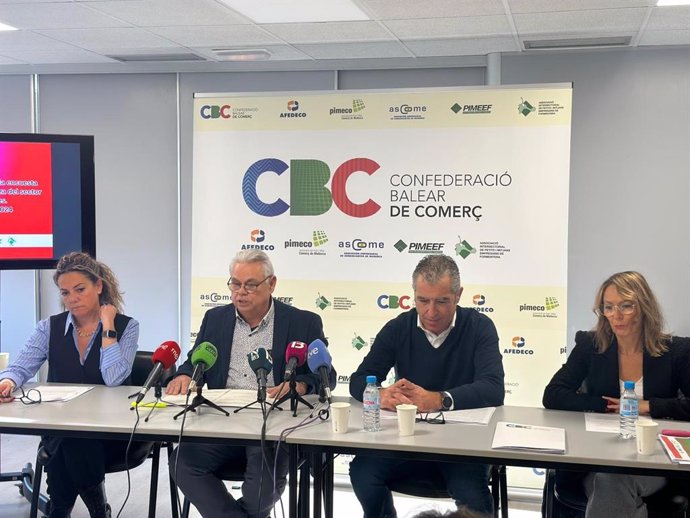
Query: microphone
[
  {"x": 295, "y": 356},
  {"x": 261, "y": 363},
  {"x": 163, "y": 358},
  {"x": 320, "y": 362},
  {"x": 203, "y": 358}
]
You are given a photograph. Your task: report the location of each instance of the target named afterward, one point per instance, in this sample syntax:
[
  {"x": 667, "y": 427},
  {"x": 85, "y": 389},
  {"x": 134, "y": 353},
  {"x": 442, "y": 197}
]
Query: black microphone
[
  {"x": 203, "y": 358},
  {"x": 320, "y": 361},
  {"x": 163, "y": 358},
  {"x": 261, "y": 363}
]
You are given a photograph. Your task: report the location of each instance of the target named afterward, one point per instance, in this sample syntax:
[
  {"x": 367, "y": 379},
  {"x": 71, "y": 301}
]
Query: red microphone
[
  {"x": 163, "y": 358},
  {"x": 295, "y": 356}
]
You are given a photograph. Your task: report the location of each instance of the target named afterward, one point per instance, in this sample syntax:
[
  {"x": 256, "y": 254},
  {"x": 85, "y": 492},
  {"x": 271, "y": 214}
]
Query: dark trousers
[
  {"x": 468, "y": 484},
  {"x": 76, "y": 465},
  {"x": 198, "y": 472}
]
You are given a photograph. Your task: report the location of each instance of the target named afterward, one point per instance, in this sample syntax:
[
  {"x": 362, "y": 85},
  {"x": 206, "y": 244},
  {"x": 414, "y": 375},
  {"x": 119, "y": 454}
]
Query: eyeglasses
[
  {"x": 626, "y": 308},
  {"x": 30, "y": 397},
  {"x": 431, "y": 419},
  {"x": 249, "y": 287}
]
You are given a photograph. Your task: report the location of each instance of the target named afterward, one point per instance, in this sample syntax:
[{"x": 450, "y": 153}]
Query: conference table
[
  {"x": 587, "y": 451},
  {"x": 105, "y": 412}
]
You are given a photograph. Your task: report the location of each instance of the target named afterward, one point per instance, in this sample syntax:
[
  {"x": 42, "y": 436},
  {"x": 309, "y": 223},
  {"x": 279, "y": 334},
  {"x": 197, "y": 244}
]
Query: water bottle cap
[
  {"x": 371, "y": 379},
  {"x": 629, "y": 385}
]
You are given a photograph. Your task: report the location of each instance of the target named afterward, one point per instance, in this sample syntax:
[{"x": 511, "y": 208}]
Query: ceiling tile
[
  {"x": 216, "y": 36},
  {"x": 38, "y": 57},
  {"x": 27, "y": 40},
  {"x": 96, "y": 39},
  {"x": 55, "y": 16},
  {"x": 461, "y": 46},
  {"x": 413, "y": 9},
  {"x": 329, "y": 32},
  {"x": 354, "y": 50},
  {"x": 610, "y": 20},
  {"x": 429, "y": 28},
  {"x": 550, "y": 6},
  {"x": 669, "y": 18},
  {"x": 675, "y": 37},
  {"x": 4, "y": 60},
  {"x": 159, "y": 13}
]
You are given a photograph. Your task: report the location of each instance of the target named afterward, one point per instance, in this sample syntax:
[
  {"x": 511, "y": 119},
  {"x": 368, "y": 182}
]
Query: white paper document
[
  {"x": 221, "y": 397},
  {"x": 470, "y": 415},
  {"x": 515, "y": 436},
  {"x": 56, "y": 393},
  {"x": 607, "y": 423}
]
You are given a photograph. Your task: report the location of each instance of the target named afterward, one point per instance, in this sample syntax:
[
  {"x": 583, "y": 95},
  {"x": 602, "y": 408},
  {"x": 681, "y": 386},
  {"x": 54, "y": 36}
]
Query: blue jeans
[{"x": 468, "y": 484}]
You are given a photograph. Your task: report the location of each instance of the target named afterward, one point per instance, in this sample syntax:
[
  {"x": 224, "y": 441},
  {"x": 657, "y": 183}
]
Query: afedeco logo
[{"x": 518, "y": 346}]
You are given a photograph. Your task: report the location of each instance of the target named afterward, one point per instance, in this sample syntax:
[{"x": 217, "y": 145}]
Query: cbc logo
[
  {"x": 393, "y": 302},
  {"x": 215, "y": 112}
]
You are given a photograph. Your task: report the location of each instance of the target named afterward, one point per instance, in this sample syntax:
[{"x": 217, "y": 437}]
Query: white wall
[{"x": 630, "y": 188}]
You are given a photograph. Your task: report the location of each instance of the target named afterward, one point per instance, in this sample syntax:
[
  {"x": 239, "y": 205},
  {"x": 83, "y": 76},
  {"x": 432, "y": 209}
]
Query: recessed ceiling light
[
  {"x": 4, "y": 27},
  {"x": 242, "y": 54},
  {"x": 296, "y": 11},
  {"x": 668, "y": 3}
]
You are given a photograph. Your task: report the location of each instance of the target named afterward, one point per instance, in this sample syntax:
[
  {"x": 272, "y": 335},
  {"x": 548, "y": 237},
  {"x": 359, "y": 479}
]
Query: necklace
[{"x": 83, "y": 334}]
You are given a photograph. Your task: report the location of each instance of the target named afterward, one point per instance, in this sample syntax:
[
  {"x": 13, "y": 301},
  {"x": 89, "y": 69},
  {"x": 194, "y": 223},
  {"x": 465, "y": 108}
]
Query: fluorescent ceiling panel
[
  {"x": 4, "y": 27},
  {"x": 664, "y": 3},
  {"x": 295, "y": 11}
]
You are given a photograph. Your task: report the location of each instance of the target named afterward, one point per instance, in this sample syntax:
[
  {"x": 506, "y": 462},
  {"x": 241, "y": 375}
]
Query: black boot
[{"x": 95, "y": 501}]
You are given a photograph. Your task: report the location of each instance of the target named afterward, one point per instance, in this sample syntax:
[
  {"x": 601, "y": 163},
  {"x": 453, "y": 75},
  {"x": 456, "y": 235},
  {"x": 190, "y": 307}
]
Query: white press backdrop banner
[{"x": 347, "y": 191}]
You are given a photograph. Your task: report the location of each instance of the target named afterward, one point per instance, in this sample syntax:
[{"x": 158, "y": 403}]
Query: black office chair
[
  {"x": 566, "y": 498},
  {"x": 139, "y": 452},
  {"x": 429, "y": 483}
]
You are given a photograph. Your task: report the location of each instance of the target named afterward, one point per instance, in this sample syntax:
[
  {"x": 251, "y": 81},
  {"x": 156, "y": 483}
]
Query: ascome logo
[
  {"x": 309, "y": 195},
  {"x": 479, "y": 302},
  {"x": 518, "y": 346},
  {"x": 257, "y": 235}
]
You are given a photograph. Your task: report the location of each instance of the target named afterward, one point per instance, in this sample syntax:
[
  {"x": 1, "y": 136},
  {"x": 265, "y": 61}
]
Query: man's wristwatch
[
  {"x": 446, "y": 401},
  {"x": 109, "y": 333}
]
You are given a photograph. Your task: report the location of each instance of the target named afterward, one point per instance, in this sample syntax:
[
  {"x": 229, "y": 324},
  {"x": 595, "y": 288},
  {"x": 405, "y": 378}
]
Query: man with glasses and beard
[
  {"x": 446, "y": 357},
  {"x": 253, "y": 320}
]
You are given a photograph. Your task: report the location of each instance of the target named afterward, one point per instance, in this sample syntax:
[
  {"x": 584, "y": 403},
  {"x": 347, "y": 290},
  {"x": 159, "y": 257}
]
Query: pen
[{"x": 675, "y": 433}]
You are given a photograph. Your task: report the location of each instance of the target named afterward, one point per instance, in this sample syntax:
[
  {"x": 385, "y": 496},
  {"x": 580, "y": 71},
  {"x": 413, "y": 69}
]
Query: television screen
[{"x": 47, "y": 199}]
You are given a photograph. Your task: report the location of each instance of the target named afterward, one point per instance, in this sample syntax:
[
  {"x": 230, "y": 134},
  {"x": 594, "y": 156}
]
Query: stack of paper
[
  {"x": 677, "y": 448},
  {"x": 221, "y": 397},
  {"x": 60, "y": 393},
  {"x": 470, "y": 416},
  {"x": 514, "y": 436}
]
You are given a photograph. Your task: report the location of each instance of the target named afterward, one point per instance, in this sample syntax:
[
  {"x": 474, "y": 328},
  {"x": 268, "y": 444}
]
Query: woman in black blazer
[{"x": 627, "y": 344}]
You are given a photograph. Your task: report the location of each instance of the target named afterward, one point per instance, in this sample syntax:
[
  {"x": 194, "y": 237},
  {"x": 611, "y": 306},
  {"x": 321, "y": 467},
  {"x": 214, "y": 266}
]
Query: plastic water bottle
[
  {"x": 372, "y": 406},
  {"x": 630, "y": 411}
]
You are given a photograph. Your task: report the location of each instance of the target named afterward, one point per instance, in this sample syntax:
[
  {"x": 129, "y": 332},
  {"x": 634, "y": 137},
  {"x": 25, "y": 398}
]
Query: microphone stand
[
  {"x": 261, "y": 401},
  {"x": 158, "y": 393},
  {"x": 197, "y": 402},
  {"x": 294, "y": 398}
]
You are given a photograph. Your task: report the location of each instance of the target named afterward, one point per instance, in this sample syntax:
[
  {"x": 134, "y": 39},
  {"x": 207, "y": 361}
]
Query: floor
[{"x": 16, "y": 451}]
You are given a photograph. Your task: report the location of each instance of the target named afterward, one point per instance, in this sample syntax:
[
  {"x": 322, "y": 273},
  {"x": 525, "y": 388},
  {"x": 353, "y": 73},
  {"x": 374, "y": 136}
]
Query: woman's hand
[
  {"x": 283, "y": 388},
  {"x": 6, "y": 388},
  {"x": 107, "y": 314},
  {"x": 613, "y": 404}
]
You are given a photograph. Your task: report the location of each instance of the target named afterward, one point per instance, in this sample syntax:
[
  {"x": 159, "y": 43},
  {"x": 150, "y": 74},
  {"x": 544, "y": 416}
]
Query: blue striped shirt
[{"x": 116, "y": 359}]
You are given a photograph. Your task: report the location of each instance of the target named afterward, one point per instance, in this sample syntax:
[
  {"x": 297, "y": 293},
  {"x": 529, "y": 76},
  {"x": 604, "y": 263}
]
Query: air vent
[
  {"x": 578, "y": 43},
  {"x": 128, "y": 58}
]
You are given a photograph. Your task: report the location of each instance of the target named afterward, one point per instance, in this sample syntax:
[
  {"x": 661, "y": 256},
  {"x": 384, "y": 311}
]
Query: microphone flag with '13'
[
  {"x": 295, "y": 356},
  {"x": 261, "y": 363},
  {"x": 203, "y": 358},
  {"x": 163, "y": 358},
  {"x": 320, "y": 362}
]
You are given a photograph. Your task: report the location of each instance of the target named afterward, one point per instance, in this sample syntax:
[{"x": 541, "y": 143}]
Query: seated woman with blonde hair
[
  {"x": 627, "y": 344},
  {"x": 91, "y": 342}
]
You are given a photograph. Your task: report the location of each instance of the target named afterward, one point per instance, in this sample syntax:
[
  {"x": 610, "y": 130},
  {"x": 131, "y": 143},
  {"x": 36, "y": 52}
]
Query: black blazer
[
  {"x": 290, "y": 324},
  {"x": 663, "y": 377}
]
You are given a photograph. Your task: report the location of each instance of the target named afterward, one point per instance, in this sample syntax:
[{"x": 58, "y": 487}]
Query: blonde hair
[
  {"x": 85, "y": 264},
  {"x": 632, "y": 286}
]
